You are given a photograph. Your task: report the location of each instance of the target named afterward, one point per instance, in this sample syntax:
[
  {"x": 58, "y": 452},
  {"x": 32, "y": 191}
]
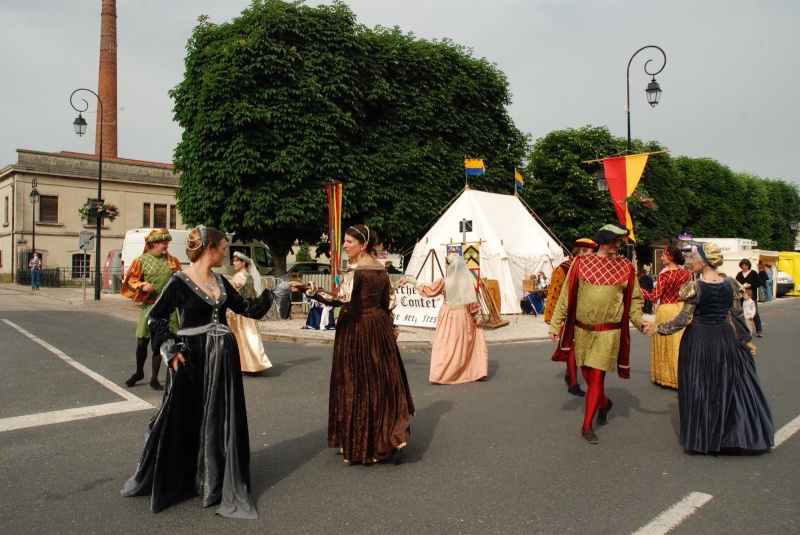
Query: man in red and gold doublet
[{"x": 592, "y": 316}]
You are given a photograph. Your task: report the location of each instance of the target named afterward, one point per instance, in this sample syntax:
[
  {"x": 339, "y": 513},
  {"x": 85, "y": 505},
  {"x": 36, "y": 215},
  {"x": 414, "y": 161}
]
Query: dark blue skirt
[{"x": 722, "y": 404}]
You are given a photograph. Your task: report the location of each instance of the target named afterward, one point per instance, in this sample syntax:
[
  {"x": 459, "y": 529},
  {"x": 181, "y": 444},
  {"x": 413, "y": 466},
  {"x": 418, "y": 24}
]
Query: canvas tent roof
[{"x": 513, "y": 245}]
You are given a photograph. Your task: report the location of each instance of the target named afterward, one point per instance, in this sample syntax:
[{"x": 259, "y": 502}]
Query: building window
[
  {"x": 48, "y": 209},
  {"x": 160, "y": 215},
  {"x": 173, "y": 217},
  {"x": 5, "y": 212},
  {"x": 146, "y": 214},
  {"x": 80, "y": 265}
]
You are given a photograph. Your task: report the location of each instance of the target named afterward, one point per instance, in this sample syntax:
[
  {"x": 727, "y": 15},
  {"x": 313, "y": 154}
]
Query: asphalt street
[{"x": 503, "y": 455}]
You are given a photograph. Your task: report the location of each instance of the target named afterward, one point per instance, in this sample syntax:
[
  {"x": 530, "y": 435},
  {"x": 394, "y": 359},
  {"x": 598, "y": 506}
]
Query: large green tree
[
  {"x": 695, "y": 195},
  {"x": 286, "y": 97}
]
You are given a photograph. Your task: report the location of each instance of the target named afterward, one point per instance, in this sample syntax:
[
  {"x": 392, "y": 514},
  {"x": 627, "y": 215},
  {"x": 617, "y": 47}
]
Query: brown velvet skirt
[{"x": 370, "y": 405}]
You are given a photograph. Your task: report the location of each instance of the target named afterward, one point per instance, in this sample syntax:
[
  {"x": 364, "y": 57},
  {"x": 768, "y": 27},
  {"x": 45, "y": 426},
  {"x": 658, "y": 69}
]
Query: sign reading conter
[{"x": 413, "y": 310}]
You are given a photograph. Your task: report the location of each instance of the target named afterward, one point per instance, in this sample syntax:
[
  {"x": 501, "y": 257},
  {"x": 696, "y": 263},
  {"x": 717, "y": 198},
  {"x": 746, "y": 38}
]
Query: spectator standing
[{"x": 35, "y": 265}]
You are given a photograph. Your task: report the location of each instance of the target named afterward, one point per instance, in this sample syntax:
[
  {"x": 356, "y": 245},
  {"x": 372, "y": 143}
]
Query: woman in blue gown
[{"x": 721, "y": 402}]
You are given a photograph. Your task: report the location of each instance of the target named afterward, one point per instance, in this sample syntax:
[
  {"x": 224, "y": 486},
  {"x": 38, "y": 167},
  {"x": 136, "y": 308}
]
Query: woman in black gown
[
  {"x": 721, "y": 403},
  {"x": 198, "y": 441}
]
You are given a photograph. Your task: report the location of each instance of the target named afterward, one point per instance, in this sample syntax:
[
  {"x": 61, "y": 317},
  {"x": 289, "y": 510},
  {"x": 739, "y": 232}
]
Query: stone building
[{"x": 144, "y": 192}]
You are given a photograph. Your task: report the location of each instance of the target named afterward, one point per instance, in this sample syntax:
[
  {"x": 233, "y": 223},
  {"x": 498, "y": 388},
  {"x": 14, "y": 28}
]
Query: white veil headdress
[{"x": 458, "y": 284}]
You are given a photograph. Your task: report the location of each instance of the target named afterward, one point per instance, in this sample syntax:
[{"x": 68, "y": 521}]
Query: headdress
[
  {"x": 459, "y": 285},
  {"x": 243, "y": 257},
  {"x": 366, "y": 238},
  {"x": 203, "y": 238},
  {"x": 609, "y": 233},
  {"x": 155, "y": 236},
  {"x": 709, "y": 252},
  {"x": 584, "y": 242},
  {"x": 668, "y": 256}
]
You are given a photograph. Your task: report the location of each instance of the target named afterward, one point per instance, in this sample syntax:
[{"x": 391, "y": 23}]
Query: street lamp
[
  {"x": 653, "y": 89},
  {"x": 34, "y": 196},
  {"x": 80, "y": 129},
  {"x": 793, "y": 224}
]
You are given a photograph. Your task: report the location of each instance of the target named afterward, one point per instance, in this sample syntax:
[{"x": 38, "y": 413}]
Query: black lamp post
[
  {"x": 653, "y": 89},
  {"x": 34, "y": 196},
  {"x": 80, "y": 129}
]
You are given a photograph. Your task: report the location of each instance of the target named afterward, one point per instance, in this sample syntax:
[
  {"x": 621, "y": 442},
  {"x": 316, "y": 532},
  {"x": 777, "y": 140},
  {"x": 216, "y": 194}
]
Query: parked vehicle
[
  {"x": 785, "y": 284},
  {"x": 111, "y": 269},
  {"x": 133, "y": 245}
]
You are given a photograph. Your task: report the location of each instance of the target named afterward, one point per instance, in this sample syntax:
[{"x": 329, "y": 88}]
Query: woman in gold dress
[
  {"x": 664, "y": 354},
  {"x": 248, "y": 336}
]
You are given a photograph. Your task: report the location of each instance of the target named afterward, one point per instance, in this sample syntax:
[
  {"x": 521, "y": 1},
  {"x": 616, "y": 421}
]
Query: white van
[{"x": 133, "y": 246}]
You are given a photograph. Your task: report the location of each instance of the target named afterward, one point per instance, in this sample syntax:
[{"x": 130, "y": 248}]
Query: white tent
[{"x": 513, "y": 246}]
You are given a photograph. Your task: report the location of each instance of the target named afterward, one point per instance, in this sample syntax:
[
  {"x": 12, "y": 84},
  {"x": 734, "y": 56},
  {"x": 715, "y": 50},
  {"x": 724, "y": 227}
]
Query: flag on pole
[
  {"x": 474, "y": 167},
  {"x": 623, "y": 174},
  {"x": 518, "y": 179},
  {"x": 335, "y": 230}
]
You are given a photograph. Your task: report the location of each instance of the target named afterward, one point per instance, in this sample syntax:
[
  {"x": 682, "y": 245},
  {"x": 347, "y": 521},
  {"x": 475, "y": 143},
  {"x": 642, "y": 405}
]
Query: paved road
[{"x": 500, "y": 456}]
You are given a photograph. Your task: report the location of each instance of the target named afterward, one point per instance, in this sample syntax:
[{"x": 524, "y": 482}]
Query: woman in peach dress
[{"x": 459, "y": 353}]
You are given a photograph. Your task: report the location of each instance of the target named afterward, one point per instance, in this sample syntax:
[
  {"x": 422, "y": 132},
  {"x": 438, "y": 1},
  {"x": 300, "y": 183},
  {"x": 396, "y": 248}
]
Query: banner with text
[{"x": 413, "y": 310}]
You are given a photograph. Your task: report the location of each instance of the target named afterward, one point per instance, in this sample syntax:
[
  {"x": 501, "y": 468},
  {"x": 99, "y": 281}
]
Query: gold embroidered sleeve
[{"x": 690, "y": 293}]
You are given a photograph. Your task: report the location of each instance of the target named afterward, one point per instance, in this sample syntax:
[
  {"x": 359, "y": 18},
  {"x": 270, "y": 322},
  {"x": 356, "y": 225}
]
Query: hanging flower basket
[
  {"x": 98, "y": 209},
  {"x": 638, "y": 202}
]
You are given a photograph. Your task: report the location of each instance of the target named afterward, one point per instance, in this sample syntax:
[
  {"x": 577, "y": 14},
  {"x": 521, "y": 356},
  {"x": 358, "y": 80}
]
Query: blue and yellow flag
[
  {"x": 474, "y": 167},
  {"x": 518, "y": 179}
]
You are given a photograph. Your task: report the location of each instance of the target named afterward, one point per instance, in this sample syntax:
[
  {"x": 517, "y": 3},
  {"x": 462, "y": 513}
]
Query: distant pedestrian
[
  {"x": 749, "y": 309},
  {"x": 35, "y": 265},
  {"x": 750, "y": 279}
]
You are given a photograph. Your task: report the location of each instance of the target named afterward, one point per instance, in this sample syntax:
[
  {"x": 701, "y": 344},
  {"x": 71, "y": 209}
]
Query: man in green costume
[{"x": 143, "y": 283}]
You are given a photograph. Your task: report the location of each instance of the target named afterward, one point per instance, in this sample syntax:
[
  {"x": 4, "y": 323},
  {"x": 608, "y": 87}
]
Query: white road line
[
  {"x": 785, "y": 432},
  {"x": 69, "y": 415},
  {"x": 676, "y": 514},
  {"x": 132, "y": 403}
]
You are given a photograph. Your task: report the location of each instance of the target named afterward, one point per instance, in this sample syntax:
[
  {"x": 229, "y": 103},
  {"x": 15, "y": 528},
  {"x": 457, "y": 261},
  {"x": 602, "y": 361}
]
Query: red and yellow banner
[
  {"x": 335, "y": 230},
  {"x": 623, "y": 174}
]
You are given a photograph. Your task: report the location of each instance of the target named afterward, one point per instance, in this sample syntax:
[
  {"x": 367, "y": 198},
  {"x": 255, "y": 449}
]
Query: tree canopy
[
  {"x": 695, "y": 195},
  {"x": 286, "y": 97}
]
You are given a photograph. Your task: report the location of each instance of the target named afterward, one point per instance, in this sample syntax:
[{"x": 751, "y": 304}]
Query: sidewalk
[{"x": 519, "y": 329}]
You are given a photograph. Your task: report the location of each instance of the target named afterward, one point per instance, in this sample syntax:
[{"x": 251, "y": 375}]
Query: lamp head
[
  {"x": 34, "y": 196},
  {"x": 80, "y": 125},
  {"x": 602, "y": 183},
  {"x": 653, "y": 92}
]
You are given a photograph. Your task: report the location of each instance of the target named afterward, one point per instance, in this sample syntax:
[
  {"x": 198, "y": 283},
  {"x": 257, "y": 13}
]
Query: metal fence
[{"x": 57, "y": 277}]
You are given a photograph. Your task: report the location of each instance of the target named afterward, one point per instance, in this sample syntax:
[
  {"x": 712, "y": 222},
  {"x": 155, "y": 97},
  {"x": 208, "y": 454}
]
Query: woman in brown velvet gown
[{"x": 370, "y": 406}]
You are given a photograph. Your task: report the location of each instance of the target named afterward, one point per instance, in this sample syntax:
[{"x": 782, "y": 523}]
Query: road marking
[
  {"x": 676, "y": 514},
  {"x": 785, "y": 432},
  {"x": 131, "y": 403}
]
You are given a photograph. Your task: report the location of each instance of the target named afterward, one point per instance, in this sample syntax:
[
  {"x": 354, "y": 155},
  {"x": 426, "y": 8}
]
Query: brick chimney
[{"x": 107, "y": 81}]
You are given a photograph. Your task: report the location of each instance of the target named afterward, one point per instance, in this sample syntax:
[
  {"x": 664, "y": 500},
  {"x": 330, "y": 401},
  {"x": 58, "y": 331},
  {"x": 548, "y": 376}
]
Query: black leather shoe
[
  {"x": 135, "y": 378},
  {"x": 155, "y": 385},
  {"x": 589, "y": 435},
  {"x": 602, "y": 414},
  {"x": 397, "y": 456},
  {"x": 576, "y": 390}
]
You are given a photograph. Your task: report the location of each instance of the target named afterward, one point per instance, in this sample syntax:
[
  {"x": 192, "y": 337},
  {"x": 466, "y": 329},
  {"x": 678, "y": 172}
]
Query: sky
[{"x": 728, "y": 83}]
